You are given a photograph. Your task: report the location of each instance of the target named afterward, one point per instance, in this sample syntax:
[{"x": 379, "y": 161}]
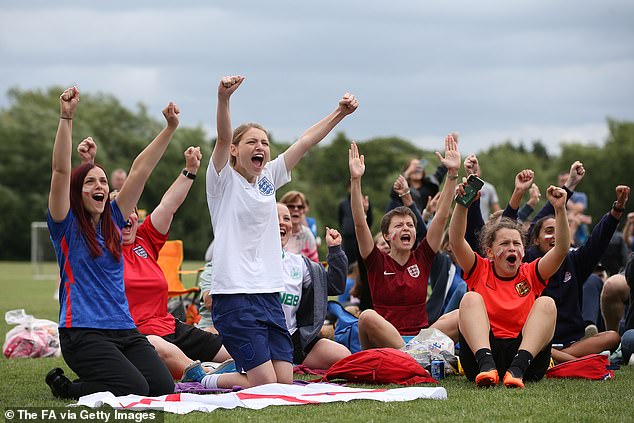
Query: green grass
[{"x": 548, "y": 400}]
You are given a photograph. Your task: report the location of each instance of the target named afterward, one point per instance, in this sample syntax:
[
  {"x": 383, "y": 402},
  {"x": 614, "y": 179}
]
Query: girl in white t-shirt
[{"x": 241, "y": 185}]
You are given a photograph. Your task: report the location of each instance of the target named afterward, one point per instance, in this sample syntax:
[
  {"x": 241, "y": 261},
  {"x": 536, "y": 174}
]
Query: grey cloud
[{"x": 487, "y": 68}]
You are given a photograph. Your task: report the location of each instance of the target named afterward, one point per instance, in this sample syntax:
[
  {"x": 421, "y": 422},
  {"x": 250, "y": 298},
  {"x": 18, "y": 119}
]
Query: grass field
[{"x": 549, "y": 400}]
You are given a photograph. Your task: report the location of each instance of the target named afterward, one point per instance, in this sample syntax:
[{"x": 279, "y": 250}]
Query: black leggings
[{"x": 119, "y": 361}]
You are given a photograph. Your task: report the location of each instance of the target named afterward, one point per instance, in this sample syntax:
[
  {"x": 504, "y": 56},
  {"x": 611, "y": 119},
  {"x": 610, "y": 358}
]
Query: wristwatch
[{"x": 188, "y": 174}]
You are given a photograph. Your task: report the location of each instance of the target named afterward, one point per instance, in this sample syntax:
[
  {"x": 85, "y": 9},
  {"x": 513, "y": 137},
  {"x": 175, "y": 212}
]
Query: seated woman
[
  {"x": 177, "y": 343},
  {"x": 398, "y": 280},
  {"x": 307, "y": 286},
  {"x": 503, "y": 325},
  {"x": 99, "y": 339},
  {"x": 566, "y": 285},
  {"x": 301, "y": 240}
]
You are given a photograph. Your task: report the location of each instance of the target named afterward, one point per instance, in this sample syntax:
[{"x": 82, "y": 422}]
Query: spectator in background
[
  {"x": 489, "y": 202},
  {"x": 527, "y": 209},
  {"x": 422, "y": 187},
  {"x": 615, "y": 255},
  {"x": 351, "y": 279},
  {"x": 577, "y": 196},
  {"x": 117, "y": 178},
  {"x": 204, "y": 311},
  {"x": 311, "y": 222},
  {"x": 302, "y": 240}
]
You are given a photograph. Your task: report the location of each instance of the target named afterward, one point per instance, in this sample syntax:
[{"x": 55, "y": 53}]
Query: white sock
[{"x": 210, "y": 381}]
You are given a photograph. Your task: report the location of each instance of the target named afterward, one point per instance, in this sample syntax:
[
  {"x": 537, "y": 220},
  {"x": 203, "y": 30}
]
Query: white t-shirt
[
  {"x": 290, "y": 297},
  {"x": 488, "y": 197},
  {"x": 247, "y": 255}
]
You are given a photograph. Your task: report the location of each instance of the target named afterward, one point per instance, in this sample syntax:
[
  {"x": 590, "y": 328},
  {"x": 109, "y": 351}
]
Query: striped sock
[{"x": 210, "y": 381}]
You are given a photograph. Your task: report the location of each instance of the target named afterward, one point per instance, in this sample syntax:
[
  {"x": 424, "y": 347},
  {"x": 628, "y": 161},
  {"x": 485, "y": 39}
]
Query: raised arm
[
  {"x": 87, "y": 150},
  {"x": 465, "y": 257},
  {"x": 588, "y": 255},
  {"x": 356, "y": 163},
  {"x": 227, "y": 86},
  {"x": 576, "y": 174},
  {"x": 175, "y": 195},
  {"x": 59, "y": 195},
  {"x": 452, "y": 162},
  {"x": 523, "y": 182},
  {"x": 145, "y": 162},
  {"x": 337, "y": 263},
  {"x": 551, "y": 261},
  {"x": 533, "y": 199},
  {"x": 475, "y": 222},
  {"x": 401, "y": 187},
  {"x": 348, "y": 104}
]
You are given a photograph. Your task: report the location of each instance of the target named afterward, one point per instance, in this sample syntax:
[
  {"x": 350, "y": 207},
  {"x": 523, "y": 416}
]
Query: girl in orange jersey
[{"x": 504, "y": 326}]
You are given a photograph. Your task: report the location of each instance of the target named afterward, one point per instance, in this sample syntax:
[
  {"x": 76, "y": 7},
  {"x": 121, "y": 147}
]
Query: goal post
[{"x": 43, "y": 260}]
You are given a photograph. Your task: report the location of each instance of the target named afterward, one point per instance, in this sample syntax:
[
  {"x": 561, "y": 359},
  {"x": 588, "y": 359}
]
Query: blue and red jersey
[{"x": 92, "y": 292}]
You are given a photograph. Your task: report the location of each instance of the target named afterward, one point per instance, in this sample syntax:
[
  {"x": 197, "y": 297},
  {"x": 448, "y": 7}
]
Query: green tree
[
  {"x": 28, "y": 125},
  {"x": 27, "y": 131}
]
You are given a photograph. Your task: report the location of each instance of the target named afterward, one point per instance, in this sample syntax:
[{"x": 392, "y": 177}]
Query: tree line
[{"x": 27, "y": 132}]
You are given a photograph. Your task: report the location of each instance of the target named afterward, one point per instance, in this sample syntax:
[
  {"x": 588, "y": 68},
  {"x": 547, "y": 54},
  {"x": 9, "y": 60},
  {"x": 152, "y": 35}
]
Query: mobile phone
[{"x": 474, "y": 184}]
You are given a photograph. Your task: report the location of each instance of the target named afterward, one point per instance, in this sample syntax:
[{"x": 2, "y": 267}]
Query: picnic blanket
[{"x": 259, "y": 397}]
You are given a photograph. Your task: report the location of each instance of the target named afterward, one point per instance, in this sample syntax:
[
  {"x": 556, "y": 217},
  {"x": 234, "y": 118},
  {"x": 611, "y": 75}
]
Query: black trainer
[{"x": 58, "y": 383}]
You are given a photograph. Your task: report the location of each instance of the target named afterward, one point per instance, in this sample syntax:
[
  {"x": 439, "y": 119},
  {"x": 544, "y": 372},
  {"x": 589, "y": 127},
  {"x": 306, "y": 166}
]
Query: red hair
[{"x": 111, "y": 234}]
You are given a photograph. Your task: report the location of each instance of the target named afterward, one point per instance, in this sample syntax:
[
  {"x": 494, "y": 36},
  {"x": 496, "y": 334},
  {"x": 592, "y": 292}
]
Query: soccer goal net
[{"x": 43, "y": 261}]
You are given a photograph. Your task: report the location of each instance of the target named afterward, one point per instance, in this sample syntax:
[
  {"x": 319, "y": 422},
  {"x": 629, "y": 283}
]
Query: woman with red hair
[{"x": 99, "y": 340}]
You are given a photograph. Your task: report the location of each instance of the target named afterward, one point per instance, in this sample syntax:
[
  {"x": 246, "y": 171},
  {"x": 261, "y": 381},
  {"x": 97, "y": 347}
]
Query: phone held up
[{"x": 474, "y": 184}]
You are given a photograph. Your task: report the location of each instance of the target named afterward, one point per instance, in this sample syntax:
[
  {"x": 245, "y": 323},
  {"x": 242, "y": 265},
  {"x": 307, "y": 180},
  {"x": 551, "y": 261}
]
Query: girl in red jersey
[
  {"x": 503, "y": 324},
  {"x": 398, "y": 279}
]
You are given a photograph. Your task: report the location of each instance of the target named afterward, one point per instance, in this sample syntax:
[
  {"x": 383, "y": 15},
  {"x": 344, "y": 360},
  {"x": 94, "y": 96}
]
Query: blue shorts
[{"x": 253, "y": 328}]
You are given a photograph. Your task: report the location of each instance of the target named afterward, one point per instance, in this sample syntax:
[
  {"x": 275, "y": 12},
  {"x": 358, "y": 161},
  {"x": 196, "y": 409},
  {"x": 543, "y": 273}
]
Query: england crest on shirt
[
  {"x": 413, "y": 270},
  {"x": 140, "y": 251},
  {"x": 265, "y": 186}
]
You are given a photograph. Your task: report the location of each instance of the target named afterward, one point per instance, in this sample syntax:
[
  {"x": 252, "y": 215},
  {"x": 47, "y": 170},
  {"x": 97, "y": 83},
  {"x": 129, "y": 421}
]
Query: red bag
[
  {"x": 592, "y": 366},
  {"x": 379, "y": 366}
]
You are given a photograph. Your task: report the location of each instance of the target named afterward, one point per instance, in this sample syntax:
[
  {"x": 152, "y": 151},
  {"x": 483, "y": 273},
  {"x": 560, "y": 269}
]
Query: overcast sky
[{"x": 493, "y": 70}]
